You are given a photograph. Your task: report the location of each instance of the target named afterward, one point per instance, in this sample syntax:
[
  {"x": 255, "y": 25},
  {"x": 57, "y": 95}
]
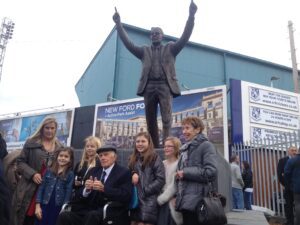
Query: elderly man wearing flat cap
[{"x": 110, "y": 182}]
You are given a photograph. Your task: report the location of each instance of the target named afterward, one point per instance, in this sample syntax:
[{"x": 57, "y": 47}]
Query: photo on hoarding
[{"x": 16, "y": 130}]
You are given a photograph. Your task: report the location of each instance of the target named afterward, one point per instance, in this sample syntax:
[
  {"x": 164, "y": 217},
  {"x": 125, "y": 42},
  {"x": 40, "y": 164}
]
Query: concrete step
[{"x": 246, "y": 217}]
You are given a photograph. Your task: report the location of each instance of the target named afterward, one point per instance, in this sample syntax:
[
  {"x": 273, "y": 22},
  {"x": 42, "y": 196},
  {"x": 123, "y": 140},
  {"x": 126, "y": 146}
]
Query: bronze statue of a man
[{"x": 158, "y": 82}]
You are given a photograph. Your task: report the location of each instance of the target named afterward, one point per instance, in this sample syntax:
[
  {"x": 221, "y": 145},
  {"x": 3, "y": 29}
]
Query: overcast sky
[{"x": 54, "y": 41}]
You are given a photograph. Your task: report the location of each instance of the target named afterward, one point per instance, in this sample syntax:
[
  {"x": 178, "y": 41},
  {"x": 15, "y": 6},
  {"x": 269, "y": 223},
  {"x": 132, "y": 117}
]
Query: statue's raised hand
[
  {"x": 116, "y": 17},
  {"x": 193, "y": 8}
]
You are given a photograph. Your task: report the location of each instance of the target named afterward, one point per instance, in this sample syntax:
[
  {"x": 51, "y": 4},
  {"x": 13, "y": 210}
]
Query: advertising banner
[
  {"x": 118, "y": 122},
  {"x": 16, "y": 130},
  {"x": 273, "y": 99},
  {"x": 262, "y": 133},
  {"x": 262, "y": 112},
  {"x": 273, "y": 118}
]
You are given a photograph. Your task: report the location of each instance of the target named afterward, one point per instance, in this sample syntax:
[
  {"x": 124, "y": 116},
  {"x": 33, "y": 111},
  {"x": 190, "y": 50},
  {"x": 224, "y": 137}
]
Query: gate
[{"x": 263, "y": 156}]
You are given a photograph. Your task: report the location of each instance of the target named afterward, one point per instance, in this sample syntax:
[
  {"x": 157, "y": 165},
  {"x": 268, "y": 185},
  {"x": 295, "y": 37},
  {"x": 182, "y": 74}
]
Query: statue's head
[{"x": 156, "y": 35}]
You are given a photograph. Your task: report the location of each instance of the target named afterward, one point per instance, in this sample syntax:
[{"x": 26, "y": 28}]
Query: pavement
[{"x": 246, "y": 217}]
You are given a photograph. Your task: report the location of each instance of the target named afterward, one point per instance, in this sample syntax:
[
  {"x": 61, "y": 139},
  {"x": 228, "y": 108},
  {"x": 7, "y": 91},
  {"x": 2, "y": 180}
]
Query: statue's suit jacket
[{"x": 168, "y": 56}]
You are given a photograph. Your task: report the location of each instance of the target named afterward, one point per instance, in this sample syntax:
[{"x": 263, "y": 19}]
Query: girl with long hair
[
  {"x": 88, "y": 160},
  {"x": 148, "y": 175},
  {"x": 56, "y": 187}
]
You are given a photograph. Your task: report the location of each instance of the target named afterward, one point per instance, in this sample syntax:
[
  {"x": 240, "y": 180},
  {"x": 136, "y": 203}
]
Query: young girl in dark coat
[
  {"x": 56, "y": 188},
  {"x": 148, "y": 175}
]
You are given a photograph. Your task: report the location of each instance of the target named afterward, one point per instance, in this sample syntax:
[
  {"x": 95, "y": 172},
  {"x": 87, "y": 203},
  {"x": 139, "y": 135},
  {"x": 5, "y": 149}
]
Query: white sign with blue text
[
  {"x": 262, "y": 112},
  {"x": 273, "y": 99}
]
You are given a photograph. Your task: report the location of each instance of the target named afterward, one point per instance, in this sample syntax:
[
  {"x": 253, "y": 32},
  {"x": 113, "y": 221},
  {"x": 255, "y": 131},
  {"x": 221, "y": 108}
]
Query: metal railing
[{"x": 263, "y": 156}]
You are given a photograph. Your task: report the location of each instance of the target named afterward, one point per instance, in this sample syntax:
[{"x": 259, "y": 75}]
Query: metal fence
[{"x": 263, "y": 156}]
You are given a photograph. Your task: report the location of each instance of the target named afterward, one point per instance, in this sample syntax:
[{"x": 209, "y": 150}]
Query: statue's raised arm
[
  {"x": 188, "y": 29},
  {"x": 135, "y": 50}
]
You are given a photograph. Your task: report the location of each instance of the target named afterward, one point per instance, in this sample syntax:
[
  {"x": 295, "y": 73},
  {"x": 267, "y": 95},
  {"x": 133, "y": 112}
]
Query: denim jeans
[
  {"x": 248, "y": 200},
  {"x": 237, "y": 198}
]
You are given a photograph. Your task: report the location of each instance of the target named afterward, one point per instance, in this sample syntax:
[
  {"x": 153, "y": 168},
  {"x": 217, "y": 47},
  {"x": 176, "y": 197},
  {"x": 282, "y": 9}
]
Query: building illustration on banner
[{"x": 117, "y": 123}]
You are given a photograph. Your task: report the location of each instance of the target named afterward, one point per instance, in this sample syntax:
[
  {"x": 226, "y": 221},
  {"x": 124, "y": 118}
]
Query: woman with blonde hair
[
  {"x": 37, "y": 154},
  {"x": 166, "y": 200}
]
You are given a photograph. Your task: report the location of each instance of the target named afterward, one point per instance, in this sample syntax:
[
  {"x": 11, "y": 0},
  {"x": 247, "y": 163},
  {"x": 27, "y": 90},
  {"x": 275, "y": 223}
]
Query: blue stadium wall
[{"x": 115, "y": 71}]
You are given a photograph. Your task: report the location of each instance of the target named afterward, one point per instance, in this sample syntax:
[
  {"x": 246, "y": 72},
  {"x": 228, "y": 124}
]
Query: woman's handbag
[{"x": 210, "y": 210}]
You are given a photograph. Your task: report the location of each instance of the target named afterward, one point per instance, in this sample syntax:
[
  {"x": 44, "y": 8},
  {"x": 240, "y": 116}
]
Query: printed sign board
[
  {"x": 273, "y": 99},
  {"x": 118, "y": 122},
  {"x": 261, "y": 112},
  {"x": 16, "y": 130}
]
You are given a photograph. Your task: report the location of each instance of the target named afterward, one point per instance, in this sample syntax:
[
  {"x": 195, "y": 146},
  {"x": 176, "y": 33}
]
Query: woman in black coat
[{"x": 248, "y": 184}]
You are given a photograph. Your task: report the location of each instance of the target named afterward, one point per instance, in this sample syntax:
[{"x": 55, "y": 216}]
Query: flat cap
[{"x": 106, "y": 148}]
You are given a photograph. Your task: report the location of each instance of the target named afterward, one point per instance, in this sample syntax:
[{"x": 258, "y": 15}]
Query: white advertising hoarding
[
  {"x": 16, "y": 130},
  {"x": 268, "y": 117},
  {"x": 273, "y": 99},
  {"x": 268, "y": 112}
]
